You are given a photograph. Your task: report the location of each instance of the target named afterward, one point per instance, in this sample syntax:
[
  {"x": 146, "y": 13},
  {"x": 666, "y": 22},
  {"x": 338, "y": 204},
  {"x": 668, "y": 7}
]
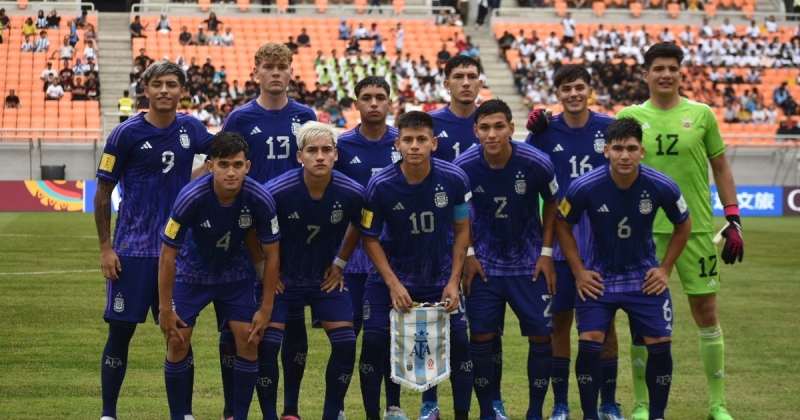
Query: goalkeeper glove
[
  {"x": 734, "y": 242},
  {"x": 538, "y": 120}
]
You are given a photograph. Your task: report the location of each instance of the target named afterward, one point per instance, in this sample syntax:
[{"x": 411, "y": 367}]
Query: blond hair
[
  {"x": 273, "y": 51},
  {"x": 312, "y": 130}
]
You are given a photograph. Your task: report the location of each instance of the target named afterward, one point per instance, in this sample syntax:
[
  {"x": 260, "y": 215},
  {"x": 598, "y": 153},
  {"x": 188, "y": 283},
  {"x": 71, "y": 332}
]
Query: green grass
[{"x": 53, "y": 335}]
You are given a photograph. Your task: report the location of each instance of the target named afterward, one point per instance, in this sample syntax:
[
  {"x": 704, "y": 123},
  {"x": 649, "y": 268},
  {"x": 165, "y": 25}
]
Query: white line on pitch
[{"x": 35, "y": 273}]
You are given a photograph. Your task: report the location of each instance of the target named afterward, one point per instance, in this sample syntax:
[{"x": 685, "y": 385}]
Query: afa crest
[
  {"x": 337, "y": 216},
  {"x": 185, "y": 141},
  {"x": 119, "y": 303},
  {"x": 295, "y": 125},
  {"x": 645, "y": 206},
  {"x": 599, "y": 141},
  {"x": 440, "y": 198},
  {"x": 687, "y": 124},
  {"x": 396, "y": 156},
  {"x": 245, "y": 219}
]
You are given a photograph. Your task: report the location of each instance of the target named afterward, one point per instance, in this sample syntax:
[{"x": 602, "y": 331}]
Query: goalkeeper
[{"x": 681, "y": 137}]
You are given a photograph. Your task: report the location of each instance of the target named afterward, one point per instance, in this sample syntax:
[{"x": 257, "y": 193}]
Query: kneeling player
[
  {"x": 622, "y": 270},
  {"x": 316, "y": 206},
  {"x": 211, "y": 217}
]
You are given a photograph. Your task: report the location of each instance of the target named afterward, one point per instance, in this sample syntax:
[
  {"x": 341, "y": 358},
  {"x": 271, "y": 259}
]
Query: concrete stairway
[{"x": 116, "y": 63}]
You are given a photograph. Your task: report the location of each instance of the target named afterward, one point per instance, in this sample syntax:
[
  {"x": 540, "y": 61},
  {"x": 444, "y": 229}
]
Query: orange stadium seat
[
  {"x": 322, "y": 6},
  {"x": 203, "y": 5},
  {"x": 710, "y": 9},
  {"x": 674, "y": 10},
  {"x": 561, "y": 8},
  {"x": 243, "y": 5},
  {"x": 599, "y": 8},
  {"x": 399, "y": 5},
  {"x": 635, "y": 8},
  {"x": 361, "y": 6}
]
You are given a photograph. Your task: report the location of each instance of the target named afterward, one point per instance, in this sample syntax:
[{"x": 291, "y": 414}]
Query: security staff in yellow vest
[{"x": 125, "y": 106}]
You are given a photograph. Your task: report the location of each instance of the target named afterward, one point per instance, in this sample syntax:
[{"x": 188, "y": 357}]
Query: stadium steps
[
  {"x": 116, "y": 64},
  {"x": 498, "y": 73}
]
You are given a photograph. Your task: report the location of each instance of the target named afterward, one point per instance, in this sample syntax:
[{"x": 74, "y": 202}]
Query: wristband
[
  {"x": 470, "y": 251},
  {"x": 731, "y": 210},
  {"x": 340, "y": 263},
  {"x": 547, "y": 251}
]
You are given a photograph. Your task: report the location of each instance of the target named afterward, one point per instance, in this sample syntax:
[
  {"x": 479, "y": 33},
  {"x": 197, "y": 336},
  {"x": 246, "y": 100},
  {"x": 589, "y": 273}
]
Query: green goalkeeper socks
[
  {"x": 712, "y": 351},
  {"x": 638, "y": 367}
]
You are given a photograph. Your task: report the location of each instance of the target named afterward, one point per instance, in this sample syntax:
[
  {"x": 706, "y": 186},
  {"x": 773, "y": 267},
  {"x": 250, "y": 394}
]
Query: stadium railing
[{"x": 331, "y": 9}]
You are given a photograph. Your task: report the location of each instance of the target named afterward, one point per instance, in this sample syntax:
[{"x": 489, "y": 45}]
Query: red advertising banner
[
  {"x": 41, "y": 195},
  {"x": 791, "y": 201}
]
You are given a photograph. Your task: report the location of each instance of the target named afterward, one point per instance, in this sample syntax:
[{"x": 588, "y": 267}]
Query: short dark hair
[
  {"x": 493, "y": 106},
  {"x": 571, "y": 73},
  {"x": 621, "y": 129},
  {"x": 461, "y": 61},
  {"x": 372, "y": 81},
  {"x": 413, "y": 119},
  {"x": 162, "y": 68},
  {"x": 227, "y": 144},
  {"x": 662, "y": 50}
]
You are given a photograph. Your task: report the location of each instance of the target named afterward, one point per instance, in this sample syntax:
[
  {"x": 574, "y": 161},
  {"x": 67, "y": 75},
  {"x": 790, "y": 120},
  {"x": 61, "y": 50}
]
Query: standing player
[
  {"x": 203, "y": 260},
  {"x": 621, "y": 270},
  {"x": 363, "y": 151},
  {"x": 574, "y": 142},
  {"x": 316, "y": 206},
  {"x": 413, "y": 206},
  {"x": 683, "y": 138},
  {"x": 511, "y": 261},
  {"x": 269, "y": 124},
  {"x": 150, "y": 155},
  {"x": 453, "y": 126}
]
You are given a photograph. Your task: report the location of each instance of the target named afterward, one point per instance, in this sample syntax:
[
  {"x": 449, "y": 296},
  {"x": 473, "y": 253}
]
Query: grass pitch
[{"x": 52, "y": 336}]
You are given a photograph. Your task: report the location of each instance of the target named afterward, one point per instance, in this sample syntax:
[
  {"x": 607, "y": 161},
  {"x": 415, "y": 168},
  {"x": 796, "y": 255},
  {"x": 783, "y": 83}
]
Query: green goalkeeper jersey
[{"x": 680, "y": 142}]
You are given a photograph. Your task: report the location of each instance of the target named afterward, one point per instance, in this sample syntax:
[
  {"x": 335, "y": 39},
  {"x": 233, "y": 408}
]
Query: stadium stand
[{"x": 63, "y": 120}]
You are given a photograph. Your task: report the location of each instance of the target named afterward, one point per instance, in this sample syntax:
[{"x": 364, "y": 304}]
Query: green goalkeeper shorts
[{"x": 698, "y": 265}]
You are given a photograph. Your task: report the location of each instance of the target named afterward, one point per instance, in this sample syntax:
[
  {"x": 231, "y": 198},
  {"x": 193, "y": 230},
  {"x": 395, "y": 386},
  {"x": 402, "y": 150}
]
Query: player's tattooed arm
[{"x": 109, "y": 262}]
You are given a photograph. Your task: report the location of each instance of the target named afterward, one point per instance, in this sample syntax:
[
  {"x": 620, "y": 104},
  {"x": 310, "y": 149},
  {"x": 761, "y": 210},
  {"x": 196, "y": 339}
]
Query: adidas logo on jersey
[
  {"x": 558, "y": 148},
  {"x": 443, "y": 134},
  {"x": 146, "y": 145},
  {"x": 294, "y": 216},
  {"x": 712, "y": 283},
  {"x": 645, "y": 126},
  {"x": 206, "y": 224},
  {"x": 479, "y": 189},
  {"x": 639, "y": 362},
  {"x": 355, "y": 160},
  {"x": 256, "y": 130},
  {"x": 398, "y": 206},
  {"x": 719, "y": 374},
  {"x": 603, "y": 209}
]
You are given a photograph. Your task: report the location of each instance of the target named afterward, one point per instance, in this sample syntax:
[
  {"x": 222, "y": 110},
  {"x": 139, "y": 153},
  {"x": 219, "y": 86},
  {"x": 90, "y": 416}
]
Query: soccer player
[
  {"x": 453, "y": 126},
  {"x": 683, "y": 138},
  {"x": 574, "y": 142},
  {"x": 363, "y": 151},
  {"x": 412, "y": 207},
  {"x": 511, "y": 258},
  {"x": 621, "y": 270},
  {"x": 150, "y": 155},
  {"x": 203, "y": 260},
  {"x": 269, "y": 124},
  {"x": 453, "y": 123},
  {"x": 316, "y": 206}
]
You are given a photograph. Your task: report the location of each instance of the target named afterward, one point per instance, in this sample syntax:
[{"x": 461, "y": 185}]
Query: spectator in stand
[
  {"x": 73, "y": 33},
  {"x": 82, "y": 19},
  {"x": 373, "y": 32},
  {"x": 53, "y": 20},
  {"x": 730, "y": 115},
  {"x": 125, "y": 106},
  {"x": 200, "y": 38},
  {"x": 771, "y": 25},
  {"x": 568, "y": 28},
  {"x": 48, "y": 72},
  {"x": 303, "y": 40},
  {"x": 504, "y": 44},
  {"x": 12, "y": 100},
  {"x": 759, "y": 115},
  {"x": 375, "y": 4},
  {"x": 65, "y": 76},
  {"x": 772, "y": 114},
  {"x": 41, "y": 20},
  {"x": 291, "y": 45},
  {"x": 361, "y": 32},
  {"x": 79, "y": 90},
  {"x": 784, "y": 100},
  {"x": 42, "y": 43},
  {"x": 54, "y": 91},
  {"x": 788, "y": 128},
  {"x": 93, "y": 88},
  {"x": 212, "y": 22},
  {"x": 29, "y": 28},
  {"x": 90, "y": 34},
  {"x": 483, "y": 10},
  {"x": 185, "y": 37},
  {"x": 65, "y": 51},
  {"x": 226, "y": 39},
  {"x": 378, "y": 47},
  {"x": 753, "y": 31},
  {"x": 213, "y": 38},
  {"x": 27, "y": 45},
  {"x": 442, "y": 18},
  {"x": 136, "y": 28},
  {"x": 443, "y": 55},
  {"x": 163, "y": 25},
  {"x": 344, "y": 30}
]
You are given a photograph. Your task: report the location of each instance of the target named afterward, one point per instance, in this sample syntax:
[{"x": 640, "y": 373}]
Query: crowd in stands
[
  {"x": 417, "y": 83},
  {"x": 78, "y": 74},
  {"x": 723, "y": 65}
]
